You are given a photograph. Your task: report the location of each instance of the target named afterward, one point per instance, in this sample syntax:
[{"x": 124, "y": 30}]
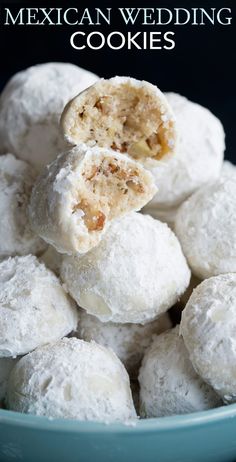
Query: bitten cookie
[
  {"x": 30, "y": 108},
  {"x": 137, "y": 272},
  {"x": 72, "y": 379},
  {"x": 125, "y": 114},
  {"x": 16, "y": 181},
  {"x": 128, "y": 341},
  {"x": 168, "y": 383},
  {"x": 84, "y": 189},
  {"x": 206, "y": 227},
  {"x": 34, "y": 308},
  {"x": 208, "y": 327},
  {"x": 198, "y": 158}
]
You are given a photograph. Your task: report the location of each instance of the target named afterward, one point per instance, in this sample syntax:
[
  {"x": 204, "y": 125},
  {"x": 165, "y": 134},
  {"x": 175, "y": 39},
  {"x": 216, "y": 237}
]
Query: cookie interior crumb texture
[
  {"x": 198, "y": 158},
  {"x": 124, "y": 114},
  {"x": 82, "y": 191}
]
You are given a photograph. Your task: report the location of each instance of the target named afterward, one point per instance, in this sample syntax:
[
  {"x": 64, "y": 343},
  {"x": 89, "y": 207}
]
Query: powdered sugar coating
[
  {"x": 72, "y": 379},
  {"x": 80, "y": 189},
  {"x": 16, "y": 181},
  {"x": 208, "y": 327},
  {"x": 34, "y": 308},
  {"x": 206, "y": 227},
  {"x": 137, "y": 272},
  {"x": 30, "y": 107},
  {"x": 6, "y": 365},
  {"x": 52, "y": 259},
  {"x": 228, "y": 169},
  {"x": 168, "y": 383},
  {"x": 199, "y": 156},
  {"x": 128, "y": 341},
  {"x": 166, "y": 215}
]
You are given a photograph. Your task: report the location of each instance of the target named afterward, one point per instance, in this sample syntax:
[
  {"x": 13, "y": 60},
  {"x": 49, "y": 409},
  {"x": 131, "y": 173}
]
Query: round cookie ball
[
  {"x": 206, "y": 227},
  {"x": 128, "y": 341},
  {"x": 72, "y": 379},
  {"x": 198, "y": 159},
  {"x": 137, "y": 272},
  {"x": 34, "y": 307},
  {"x": 128, "y": 115},
  {"x": 168, "y": 383},
  {"x": 6, "y": 365},
  {"x": 30, "y": 108},
  {"x": 208, "y": 327},
  {"x": 81, "y": 192},
  {"x": 16, "y": 182}
]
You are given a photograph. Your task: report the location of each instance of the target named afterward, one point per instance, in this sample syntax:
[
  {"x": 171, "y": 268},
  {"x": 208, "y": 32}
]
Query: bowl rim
[{"x": 202, "y": 418}]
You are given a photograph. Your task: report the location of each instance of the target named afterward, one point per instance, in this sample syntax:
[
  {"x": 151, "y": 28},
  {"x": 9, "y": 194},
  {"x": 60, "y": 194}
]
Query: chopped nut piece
[
  {"x": 98, "y": 104},
  {"x": 135, "y": 186},
  {"x": 82, "y": 192},
  {"x": 113, "y": 168},
  {"x": 140, "y": 149},
  {"x": 93, "y": 173},
  {"x": 101, "y": 103},
  {"x": 94, "y": 220},
  {"x": 122, "y": 148},
  {"x": 123, "y": 113},
  {"x": 153, "y": 142}
]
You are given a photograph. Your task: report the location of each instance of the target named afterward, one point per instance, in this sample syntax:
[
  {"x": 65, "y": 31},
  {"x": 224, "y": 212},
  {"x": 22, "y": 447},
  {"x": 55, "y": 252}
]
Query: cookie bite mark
[
  {"x": 124, "y": 114},
  {"x": 82, "y": 191},
  {"x": 103, "y": 187}
]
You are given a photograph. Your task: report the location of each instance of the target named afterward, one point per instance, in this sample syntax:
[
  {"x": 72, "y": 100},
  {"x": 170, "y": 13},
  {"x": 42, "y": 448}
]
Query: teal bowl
[{"x": 204, "y": 436}]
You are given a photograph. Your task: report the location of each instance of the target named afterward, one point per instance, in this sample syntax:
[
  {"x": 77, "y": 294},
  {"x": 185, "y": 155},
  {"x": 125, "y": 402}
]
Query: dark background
[{"x": 201, "y": 66}]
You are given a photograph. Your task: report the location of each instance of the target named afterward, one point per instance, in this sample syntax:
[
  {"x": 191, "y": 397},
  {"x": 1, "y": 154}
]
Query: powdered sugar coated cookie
[
  {"x": 30, "y": 108},
  {"x": 168, "y": 383},
  {"x": 206, "y": 227},
  {"x": 72, "y": 379},
  {"x": 34, "y": 308},
  {"x": 137, "y": 272}
]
